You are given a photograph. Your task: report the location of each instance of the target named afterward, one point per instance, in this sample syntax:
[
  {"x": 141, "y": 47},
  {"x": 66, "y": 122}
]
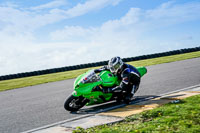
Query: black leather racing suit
[{"x": 130, "y": 79}]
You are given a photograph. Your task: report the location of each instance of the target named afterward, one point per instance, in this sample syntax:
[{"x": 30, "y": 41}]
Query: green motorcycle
[{"x": 86, "y": 92}]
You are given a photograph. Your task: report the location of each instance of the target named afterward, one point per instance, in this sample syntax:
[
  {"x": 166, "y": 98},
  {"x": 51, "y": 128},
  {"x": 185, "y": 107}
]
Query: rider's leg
[{"x": 132, "y": 89}]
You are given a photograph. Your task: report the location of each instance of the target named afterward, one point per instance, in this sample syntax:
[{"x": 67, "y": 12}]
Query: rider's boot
[
  {"x": 128, "y": 98},
  {"x": 130, "y": 94}
]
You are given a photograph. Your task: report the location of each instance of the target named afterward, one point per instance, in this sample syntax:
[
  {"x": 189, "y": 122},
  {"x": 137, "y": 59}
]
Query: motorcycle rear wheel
[{"x": 74, "y": 103}]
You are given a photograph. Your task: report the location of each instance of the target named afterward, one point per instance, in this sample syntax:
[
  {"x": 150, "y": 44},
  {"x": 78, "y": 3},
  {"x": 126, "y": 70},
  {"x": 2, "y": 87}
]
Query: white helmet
[{"x": 115, "y": 64}]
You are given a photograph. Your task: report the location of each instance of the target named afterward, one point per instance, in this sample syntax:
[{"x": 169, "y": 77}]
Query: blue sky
[{"x": 37, "y": 35}]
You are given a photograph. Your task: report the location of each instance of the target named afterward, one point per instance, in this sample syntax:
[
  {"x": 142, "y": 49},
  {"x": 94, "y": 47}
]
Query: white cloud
[
  {"x": 90, "y": 5},
  {"x": 132, "y": 32},
  {"x": 17, "y": 36},
  {"x": 75, "y": 33},
  {"x": 128, "y": 36},
  {"x": 31, "y": 57},
  {"x": 172, "y": 13},
  {"x": 22, "y": 21},
  {"x": 52, "y": 4}
]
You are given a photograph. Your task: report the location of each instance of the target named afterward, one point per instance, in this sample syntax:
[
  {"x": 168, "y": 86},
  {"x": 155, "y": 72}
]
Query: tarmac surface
[
  {"x": 119, "y": 114},
  {"x": 31, "y": 107}
]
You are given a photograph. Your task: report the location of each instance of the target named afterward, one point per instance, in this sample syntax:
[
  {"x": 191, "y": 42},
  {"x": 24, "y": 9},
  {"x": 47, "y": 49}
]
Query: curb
[{"x": 113, "y": 115}]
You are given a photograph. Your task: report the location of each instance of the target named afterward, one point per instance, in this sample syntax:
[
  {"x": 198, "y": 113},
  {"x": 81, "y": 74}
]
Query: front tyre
[{"x": 74, "y": 103}]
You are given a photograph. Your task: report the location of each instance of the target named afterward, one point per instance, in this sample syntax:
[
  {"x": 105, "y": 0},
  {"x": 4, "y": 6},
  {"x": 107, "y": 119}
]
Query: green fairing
[
  {"x": 142, "y": 70},
  {"x": 105, "y": 79},
  {"x": 108, "y": 78}
]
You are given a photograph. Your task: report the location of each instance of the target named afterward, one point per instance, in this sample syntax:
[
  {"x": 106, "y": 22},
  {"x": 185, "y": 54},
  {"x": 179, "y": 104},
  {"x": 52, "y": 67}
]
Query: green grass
[
  {"x": 29, "y": 81},
  {"x": 182, "y": 117}
]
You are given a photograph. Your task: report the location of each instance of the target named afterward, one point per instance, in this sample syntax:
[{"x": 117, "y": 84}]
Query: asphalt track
[{"x": 31, "y": 107}]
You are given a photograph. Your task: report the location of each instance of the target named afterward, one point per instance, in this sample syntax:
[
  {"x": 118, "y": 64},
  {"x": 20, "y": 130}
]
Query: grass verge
[
  {"x": 34, "y": 80},
  {"x": 181, "y": 117}
]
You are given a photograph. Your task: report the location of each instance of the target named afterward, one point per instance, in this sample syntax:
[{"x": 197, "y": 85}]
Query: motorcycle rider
[{"x": 128, "y": 74}]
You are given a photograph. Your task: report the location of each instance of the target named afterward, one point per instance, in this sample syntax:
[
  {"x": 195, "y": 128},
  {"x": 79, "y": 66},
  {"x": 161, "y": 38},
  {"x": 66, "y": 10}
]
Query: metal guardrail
[{"x": 95, "y": 64}]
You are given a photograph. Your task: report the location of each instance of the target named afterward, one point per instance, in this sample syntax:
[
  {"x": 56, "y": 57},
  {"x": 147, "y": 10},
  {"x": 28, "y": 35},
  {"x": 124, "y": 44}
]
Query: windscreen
[{"x": 90, "y": 77}]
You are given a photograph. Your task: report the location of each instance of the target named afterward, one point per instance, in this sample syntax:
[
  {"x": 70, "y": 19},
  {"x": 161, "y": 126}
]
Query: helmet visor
[{"x": 115, "y": 67}]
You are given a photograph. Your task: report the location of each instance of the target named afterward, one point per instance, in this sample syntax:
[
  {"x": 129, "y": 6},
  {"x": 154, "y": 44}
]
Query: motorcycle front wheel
[{"x": 74, "y": 103}]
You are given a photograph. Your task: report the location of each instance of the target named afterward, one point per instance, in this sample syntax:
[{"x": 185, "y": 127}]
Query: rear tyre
[{"x": 75, "y": 103}]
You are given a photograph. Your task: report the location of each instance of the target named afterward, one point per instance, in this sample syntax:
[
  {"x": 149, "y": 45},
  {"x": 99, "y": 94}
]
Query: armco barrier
[{"x": 95, "y": 64}]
